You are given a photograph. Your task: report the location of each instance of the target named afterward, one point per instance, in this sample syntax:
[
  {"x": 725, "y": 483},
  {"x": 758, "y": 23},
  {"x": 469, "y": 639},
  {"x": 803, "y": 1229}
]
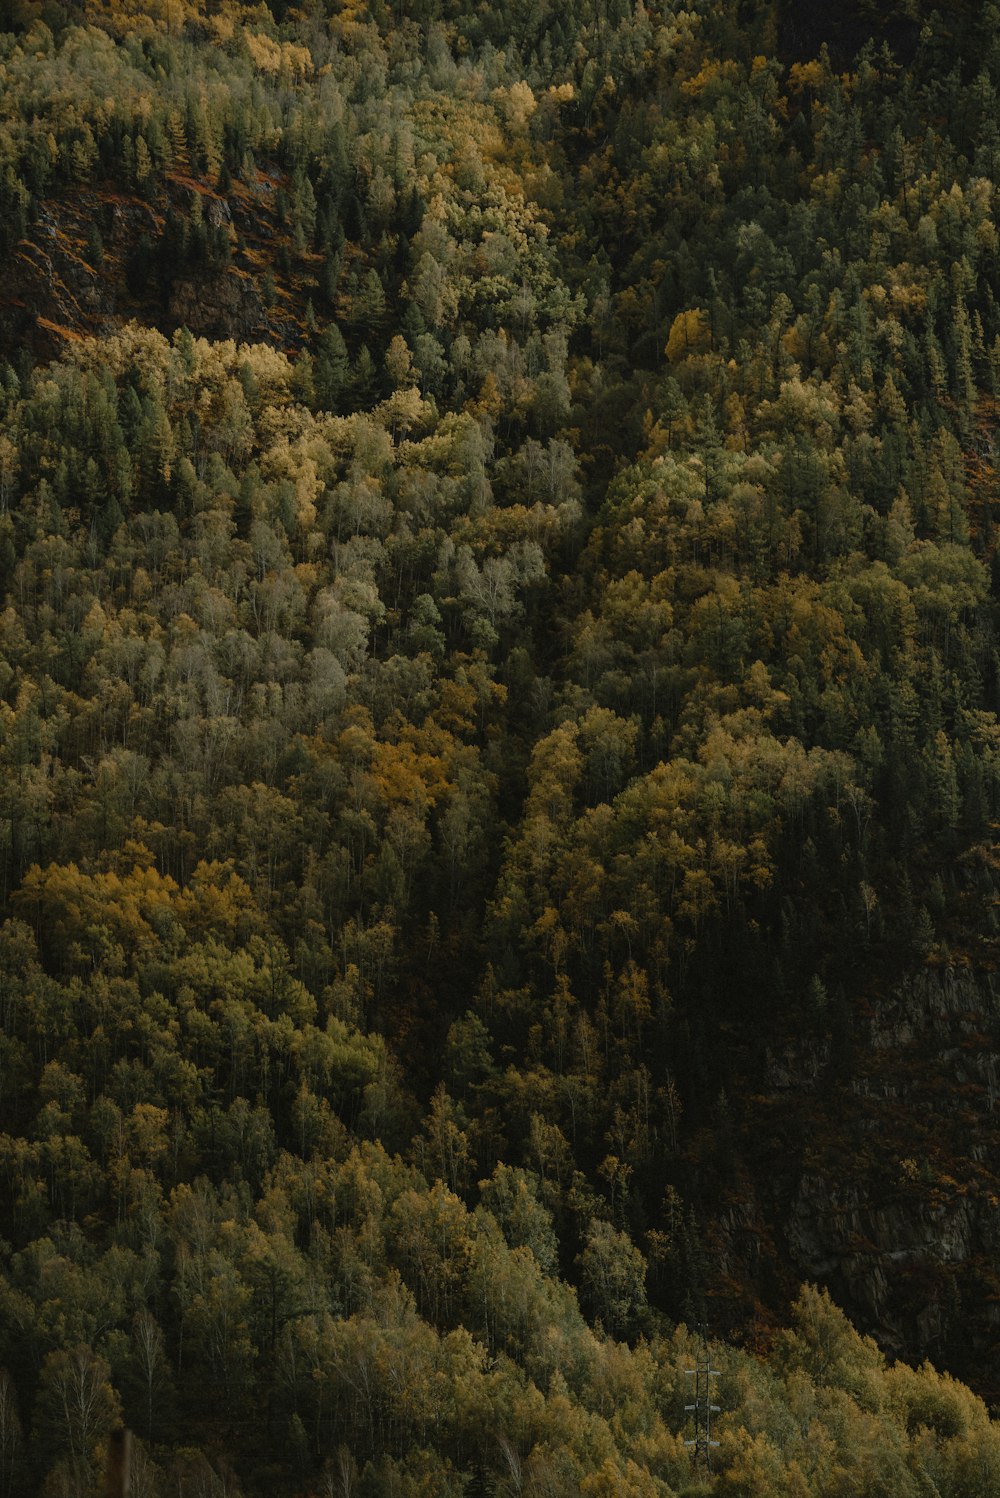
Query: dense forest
[{"x": 499, "y": 747}]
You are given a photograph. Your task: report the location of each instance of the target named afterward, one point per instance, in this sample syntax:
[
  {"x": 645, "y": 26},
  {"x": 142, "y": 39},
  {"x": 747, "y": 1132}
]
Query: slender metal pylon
[
  {"x": 703, "y": 1409},
  {"x": 117, "y": 1473}
]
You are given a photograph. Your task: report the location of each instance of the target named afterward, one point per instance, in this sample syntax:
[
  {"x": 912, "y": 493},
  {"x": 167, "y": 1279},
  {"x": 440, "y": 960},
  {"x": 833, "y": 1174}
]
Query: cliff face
[
  {"x": 882, "y": 1182},
  {"x": 62, "y": 283}
]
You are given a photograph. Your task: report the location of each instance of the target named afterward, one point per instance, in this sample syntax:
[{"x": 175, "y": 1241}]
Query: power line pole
[
  {"x": 116, "y": 1475},
  {"x": 703, "y": 1409}
]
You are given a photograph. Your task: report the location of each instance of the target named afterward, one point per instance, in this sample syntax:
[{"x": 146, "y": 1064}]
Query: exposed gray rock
[
  {"x": 885, "y": 1183},
  {"x": 222, "y": 306}
]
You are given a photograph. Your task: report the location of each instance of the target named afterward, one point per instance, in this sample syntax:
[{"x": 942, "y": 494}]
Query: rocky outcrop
[
  {"x": 55, "y": 288},
  {"x": 221, "y": 306},
  {"x": 880, "y": 1179}
]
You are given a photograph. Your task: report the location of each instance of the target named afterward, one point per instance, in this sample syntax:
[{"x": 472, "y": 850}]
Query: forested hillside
[{"x": 499, "y": 755}]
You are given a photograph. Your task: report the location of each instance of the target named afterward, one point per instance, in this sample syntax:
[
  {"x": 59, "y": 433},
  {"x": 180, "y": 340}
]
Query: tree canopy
[{"x": 499, "y": 755}]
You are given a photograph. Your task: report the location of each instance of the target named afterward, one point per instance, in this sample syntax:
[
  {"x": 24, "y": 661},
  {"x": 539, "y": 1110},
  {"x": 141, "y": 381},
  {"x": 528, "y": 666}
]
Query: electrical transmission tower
[{"x": 703, "y": 1409}]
